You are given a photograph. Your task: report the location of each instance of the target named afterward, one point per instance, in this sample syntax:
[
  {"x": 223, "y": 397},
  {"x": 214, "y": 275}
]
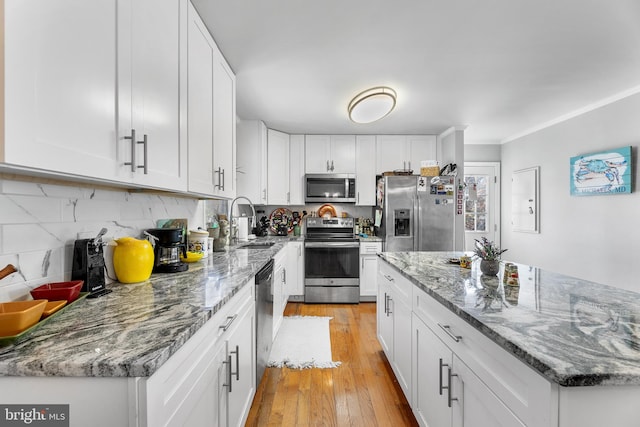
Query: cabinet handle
[
  {"x": 447, "y": 329},
  {"x": 264, "y": 194},
  {"x": 331, "y": 165},
  {"x": 386, "y": 304},
  {"x": 288, "y": 197},
  {"x": 389, "y": 304},
  {"x": 409, "y": 163},
  {"x": 132, "y": 138},
  {"x": 440, "y": 387},
  {"x": 284, "y": 275},
  {"x": 229, "y": 383},
  {"x": 228, "y": 323},
  {"x": 389, "y": 278},
  {"x": 223, "y": 180},
  {"x": 362, "y": 263},
  {"x": 237, "y": 372},
  {"x": 449, "y": 389},
  {"x": 220, "y": 173},
  {"x": 145, "y": 158}
]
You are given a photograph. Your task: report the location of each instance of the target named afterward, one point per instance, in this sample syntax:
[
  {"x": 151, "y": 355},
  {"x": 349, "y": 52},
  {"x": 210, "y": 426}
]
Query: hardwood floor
[{"x": 362, "y": 391}]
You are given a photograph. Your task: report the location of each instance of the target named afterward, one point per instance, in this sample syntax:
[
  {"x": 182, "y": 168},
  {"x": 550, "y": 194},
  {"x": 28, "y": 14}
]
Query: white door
[{"x": 482, "y": 203}]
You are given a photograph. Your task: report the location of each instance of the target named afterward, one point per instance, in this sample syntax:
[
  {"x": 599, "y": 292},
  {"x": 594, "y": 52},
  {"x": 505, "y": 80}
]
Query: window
[{"x": 475, "y": 206}]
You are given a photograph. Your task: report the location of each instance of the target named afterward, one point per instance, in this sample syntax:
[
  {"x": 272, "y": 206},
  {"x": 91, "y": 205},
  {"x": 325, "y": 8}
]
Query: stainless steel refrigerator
[{"x": 417, "y": 212}]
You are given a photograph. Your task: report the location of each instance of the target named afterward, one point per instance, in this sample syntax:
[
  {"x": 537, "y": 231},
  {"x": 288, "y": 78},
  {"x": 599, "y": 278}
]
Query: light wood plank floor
[{"x": 362, "y": 391}]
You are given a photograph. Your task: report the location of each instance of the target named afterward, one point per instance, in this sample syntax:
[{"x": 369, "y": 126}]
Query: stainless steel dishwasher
[{"x": 264, "y": 318}]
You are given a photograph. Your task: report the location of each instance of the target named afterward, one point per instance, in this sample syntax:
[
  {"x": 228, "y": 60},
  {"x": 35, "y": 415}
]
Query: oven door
[{"x": 330, "y": 263}]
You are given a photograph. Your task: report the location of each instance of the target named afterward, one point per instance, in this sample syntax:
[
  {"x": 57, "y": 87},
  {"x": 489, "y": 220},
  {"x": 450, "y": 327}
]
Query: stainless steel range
[{"x": 332, "y": 269}]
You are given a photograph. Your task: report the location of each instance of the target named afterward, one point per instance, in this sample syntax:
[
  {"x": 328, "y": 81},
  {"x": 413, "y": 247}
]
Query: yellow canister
[{"x": 132, "y": 260}]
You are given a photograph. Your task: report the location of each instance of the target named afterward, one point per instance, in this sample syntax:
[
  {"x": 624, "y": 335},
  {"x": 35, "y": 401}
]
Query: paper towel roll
[{"x": 243, "y": 228}]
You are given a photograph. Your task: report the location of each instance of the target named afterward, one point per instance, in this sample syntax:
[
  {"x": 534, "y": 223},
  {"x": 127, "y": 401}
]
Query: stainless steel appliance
[
  {"x": 264, "y": 318},
  {"x": 332, "y": 269},
  {"x": 418, "y": 213},
  {"x": 330, "y": 188}
]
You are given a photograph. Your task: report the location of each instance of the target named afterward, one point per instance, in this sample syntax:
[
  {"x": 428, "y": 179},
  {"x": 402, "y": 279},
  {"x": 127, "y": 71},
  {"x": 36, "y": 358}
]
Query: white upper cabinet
[
  {"x": 296, "y": 170},
  {"x": 210, "y": 114},
  {"x": 60, "y": 88},
  {"x": 402, "y": 152},
  {"x": 330, "y": 154},
  {"x": 224, "y": 126},
  {"x": 278, "y": 171},
  {"x": 80, "y": 77},
  {"x": 149, "y": 93},
  {"x": 365, "y": 170},
  {"x": 252, "y": 161}
]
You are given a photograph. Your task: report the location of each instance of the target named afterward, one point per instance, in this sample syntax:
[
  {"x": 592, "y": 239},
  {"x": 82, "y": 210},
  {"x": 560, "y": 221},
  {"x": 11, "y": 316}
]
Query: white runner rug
[{"x": 303, "y": 342}]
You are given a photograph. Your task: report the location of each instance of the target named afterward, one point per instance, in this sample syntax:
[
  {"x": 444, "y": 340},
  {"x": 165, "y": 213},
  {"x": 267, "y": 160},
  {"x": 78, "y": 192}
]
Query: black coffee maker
[
  {"x": 88, "y": 265},
  {"x": 168, "y": 244}
]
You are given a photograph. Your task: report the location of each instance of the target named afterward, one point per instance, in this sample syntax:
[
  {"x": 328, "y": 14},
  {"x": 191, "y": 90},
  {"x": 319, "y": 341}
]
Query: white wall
[
  {"x": 482, "y": 152},
  {"x": 40, "y": 222},
  {"x": 591, "y": 237}
]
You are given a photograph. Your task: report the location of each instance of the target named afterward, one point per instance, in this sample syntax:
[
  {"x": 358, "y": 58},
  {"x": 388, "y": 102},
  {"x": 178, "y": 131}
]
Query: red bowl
[{"x": 58, "y": 291}]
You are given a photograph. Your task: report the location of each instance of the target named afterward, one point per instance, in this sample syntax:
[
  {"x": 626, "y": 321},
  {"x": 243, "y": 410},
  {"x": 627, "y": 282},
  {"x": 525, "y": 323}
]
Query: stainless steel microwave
[{"x": 334, "y": 188}]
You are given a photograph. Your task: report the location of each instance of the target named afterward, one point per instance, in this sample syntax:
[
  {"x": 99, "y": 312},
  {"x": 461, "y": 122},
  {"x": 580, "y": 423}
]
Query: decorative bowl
[
  {"x": 52, "y": 307},
  {"x": 67, "y": 291},
  {"x": 192, "y": 257},
  {"x": 17, "y": 316}
]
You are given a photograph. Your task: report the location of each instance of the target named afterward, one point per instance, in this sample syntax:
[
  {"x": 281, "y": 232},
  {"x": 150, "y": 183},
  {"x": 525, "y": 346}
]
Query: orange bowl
[
  {"x": 52, "y": 307},
  {"x": 67, "y": 291},
  {"x": 17, "y": 316}
]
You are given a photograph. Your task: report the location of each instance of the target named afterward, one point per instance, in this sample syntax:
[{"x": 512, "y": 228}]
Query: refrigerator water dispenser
[{"x": 402, "y": 219}]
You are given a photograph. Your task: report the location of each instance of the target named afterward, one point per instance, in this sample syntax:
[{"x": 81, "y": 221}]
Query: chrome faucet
[{"x": 253, "y": 218}]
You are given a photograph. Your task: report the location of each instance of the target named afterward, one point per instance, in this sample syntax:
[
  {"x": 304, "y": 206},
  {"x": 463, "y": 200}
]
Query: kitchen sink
[{"x": 259, "y": 245}]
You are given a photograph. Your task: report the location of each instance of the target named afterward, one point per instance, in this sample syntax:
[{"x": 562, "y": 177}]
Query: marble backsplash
[{"x": 39, "y": 223}]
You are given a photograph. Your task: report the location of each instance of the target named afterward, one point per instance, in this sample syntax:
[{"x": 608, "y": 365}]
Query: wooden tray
[{"x": 4, "y": 341}]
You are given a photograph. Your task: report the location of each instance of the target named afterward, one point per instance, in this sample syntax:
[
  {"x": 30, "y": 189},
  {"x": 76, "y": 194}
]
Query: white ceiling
[{"x": 499, "y": 67}]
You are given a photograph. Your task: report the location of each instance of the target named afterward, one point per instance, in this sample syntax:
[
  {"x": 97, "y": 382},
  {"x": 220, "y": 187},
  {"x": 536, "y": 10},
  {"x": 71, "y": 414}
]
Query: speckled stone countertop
[
  {"x": 132, "y": 331},
  {"x": 574, "y": 332}
]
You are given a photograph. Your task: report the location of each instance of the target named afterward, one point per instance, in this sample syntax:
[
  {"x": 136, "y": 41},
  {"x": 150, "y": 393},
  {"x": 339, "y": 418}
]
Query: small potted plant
[{"x": 489, "y": 255}]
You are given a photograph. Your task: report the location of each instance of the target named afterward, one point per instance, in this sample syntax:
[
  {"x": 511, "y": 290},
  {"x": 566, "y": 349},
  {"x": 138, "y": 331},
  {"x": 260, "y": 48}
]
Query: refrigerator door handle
[{"x": 417, "y": 238}]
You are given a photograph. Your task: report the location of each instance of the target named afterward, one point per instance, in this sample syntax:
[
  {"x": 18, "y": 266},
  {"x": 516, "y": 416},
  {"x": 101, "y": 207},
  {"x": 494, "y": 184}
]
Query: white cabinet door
[
  {"x": 330, "y": 154},
  {"x": 402, "y": 341},
  {"x": 390, "y": 153},
  {"x": 476, "y": 405},
  {"x": 368, "y": 275},
  {"x": 210, "y": 407},
  {"x": 200, "y": 105},
  {"x": 252, "y": 161},
  {"x": 317, "y": 153},
  {"x": 384, "y": 316},
  {"x": 343, "y": 154},
  {"x": 365, "y": 170},
  {"x": 60, "y": 86},
  {"x": 279, "y": 284},
  {"x": 224, "y": 126},
  {"x": 431, "y": 362},
  {"x": 295, "y": 270},
  {"x": 296, "y": 169},
  {"x": 149, "y": 93},
  {"x": 278, "y": 169},
  {"x": 241, "y": 348},
  {"x": 419, "y": 148}
]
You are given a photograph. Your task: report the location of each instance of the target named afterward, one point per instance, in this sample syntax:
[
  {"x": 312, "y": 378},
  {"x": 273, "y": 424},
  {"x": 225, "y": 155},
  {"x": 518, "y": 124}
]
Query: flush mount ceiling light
[{"x": 372, "y": 104}]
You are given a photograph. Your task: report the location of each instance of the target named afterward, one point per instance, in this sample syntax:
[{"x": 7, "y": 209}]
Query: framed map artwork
[{"x": 606, "y": 172}]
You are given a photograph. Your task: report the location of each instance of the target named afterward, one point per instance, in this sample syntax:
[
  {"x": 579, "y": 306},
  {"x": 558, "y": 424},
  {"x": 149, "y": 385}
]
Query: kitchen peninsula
[
  {"x": 555, "y": 351},
  {"x": 139, "y": 355}
]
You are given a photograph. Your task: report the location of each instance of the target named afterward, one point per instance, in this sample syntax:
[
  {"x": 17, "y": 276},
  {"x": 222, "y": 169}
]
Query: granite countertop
[
  {"x": 132, "y": 331},
  {"x": 572, "y": 331}
]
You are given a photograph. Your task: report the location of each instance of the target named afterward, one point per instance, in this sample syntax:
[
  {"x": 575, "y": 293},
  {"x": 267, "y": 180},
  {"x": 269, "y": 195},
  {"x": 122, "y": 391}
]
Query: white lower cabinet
[
  {"x": 394, "y": 324},
  {"x": 295, "y": 279},
  {"x": 279, "y": 288},
  {"x": 446, "y": 392},
  {"x": 210, "y": 381},
  {"x": 369, "y": 269}
]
